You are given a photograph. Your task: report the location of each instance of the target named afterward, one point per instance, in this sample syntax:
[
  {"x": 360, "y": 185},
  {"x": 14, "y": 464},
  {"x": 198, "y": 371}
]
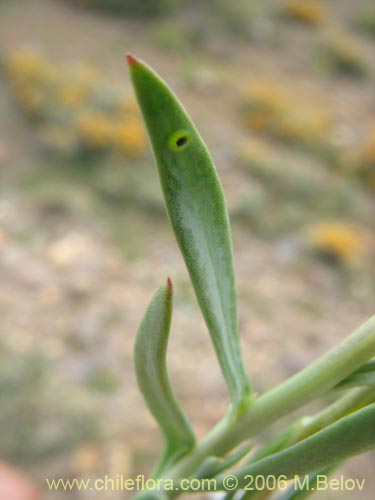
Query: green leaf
[
  {"x": 279, "y": 442},
  {"x": 347, "y": 437},
  {"x": 151, "y": 371},
  {"x": 275, "y": 444},
  {"x": 352, "y": 401},
  {"x": 305, "y": 427},
  {"x": 233, "y": 459},
  {"x": 308, "y": 425},
  {"x": 196, "y": 207},
  {"x": 365, "y": 375},
  {"x": 358, "y": 379}
]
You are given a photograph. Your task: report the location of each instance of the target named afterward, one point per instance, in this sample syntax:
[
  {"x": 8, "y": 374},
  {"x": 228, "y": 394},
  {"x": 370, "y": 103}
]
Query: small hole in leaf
[
  {"x": 181, "y": 141},
  {"x": 178, "y": 140}
]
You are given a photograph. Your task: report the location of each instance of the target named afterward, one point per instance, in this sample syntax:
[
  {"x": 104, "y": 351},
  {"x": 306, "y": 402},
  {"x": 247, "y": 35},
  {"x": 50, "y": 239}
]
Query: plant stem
[{"x": 302, "y": 388}]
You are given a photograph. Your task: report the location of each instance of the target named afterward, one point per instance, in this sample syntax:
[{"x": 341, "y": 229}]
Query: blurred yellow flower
[
  {"x": 72, "y": 94},
  {"x": 267, "y": 95},
  {"x": 307, "y": 11},
  {"x": 263, "y": 101},
  {"x": 73, "y": 107},
  {"x": 26, "y": 66},
  {"x": 342, "y": 55},
  {"x": 271, "y": 109},
  {"x": 85, "y": 74},
  {"x": 95, "y": 130},
  {"x": 336, "y": 240},
  {"x": 305, "y": 126},
  {"x": 130, "y": 137}
]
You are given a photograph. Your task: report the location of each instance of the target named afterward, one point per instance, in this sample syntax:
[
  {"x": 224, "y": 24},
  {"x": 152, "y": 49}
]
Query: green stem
[{"x": 302, "y": 388}]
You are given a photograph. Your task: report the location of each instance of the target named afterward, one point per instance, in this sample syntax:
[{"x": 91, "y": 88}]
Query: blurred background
[{"x": 283, "y": 93}]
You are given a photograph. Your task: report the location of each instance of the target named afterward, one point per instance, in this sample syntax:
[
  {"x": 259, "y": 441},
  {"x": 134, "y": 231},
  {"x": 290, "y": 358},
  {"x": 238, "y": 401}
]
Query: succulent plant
[{"x": 197, "y": 211}]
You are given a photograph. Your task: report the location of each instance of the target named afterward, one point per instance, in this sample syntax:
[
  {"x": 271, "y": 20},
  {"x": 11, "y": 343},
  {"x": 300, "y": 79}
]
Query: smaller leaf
[
  {"x": 347, "y": 437},
  {"x": 365, "y": 375},
  {"x": 279, "y": 442},
  {"x": 151, "y": 371},
  {"x": 234, "y": 458},
  {"x": 367, "y": 367},
  {"x": 213, "y": 466},
  {"x": 274, "y": 445},
  {"x": 207, "y": 467}
]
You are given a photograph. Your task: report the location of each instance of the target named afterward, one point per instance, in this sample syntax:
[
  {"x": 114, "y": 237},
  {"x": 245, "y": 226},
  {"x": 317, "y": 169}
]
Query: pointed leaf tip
[
  {"x": 169, "y": 284},
  {"x": 131, "y": 60}
]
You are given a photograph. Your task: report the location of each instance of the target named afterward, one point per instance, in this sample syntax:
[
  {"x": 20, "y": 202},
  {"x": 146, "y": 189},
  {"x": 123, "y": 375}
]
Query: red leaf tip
[
  {"x": 169, "y": 284},
  {"x": 131, "y": 59}
]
